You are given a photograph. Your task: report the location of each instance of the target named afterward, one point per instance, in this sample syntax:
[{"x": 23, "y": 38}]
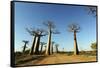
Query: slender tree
[
  {"x": 56, "y": 46},
  {"x": 24, "y": 47},
  {"x": 51, "y": 28},
  {"x": 74, "y": 28}
]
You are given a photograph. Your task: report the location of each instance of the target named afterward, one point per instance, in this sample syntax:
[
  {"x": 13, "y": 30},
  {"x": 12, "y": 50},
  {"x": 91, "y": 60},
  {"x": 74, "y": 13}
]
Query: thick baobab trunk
[
  {"x": 45, "y": 48},
  {"x": 41, "y": 48},
  {"x": 24, "y": 48},
  {"x": 48, "y": 44},
  {"x": 32, "y": 48},
  {"x": 37, "y": 43},
  {"x": 52, "y": 48},
  {"x": 75, "y": 45}
]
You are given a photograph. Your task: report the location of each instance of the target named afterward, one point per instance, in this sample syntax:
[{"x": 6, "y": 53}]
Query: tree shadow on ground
[{"x": 29, "y": 59}]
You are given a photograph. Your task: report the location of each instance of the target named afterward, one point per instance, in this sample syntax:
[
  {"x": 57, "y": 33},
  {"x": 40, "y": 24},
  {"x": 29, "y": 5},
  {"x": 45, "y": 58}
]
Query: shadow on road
[{"x": 25, "y": 60}]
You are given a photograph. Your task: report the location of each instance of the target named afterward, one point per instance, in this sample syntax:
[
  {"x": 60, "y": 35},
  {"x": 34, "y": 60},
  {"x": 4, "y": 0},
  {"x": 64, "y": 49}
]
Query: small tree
[
  {"x": 42, "y": 43},
  {"x": 56, "y": 46},
  {"x": 94, "y": 46},
  {"x": 24, "y": 47}
]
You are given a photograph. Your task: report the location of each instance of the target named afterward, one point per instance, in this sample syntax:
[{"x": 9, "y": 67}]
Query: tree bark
[
  {"x": 75, "y": 45},
  {"x": 51, "y": 48},
  {"x": 37, "y": 43},
  {"x": 56, "y": 49},
  {"x": 41, "y": 48},
  {"x": 32, "y": 48},
  {"x": 48, "y": 44}
]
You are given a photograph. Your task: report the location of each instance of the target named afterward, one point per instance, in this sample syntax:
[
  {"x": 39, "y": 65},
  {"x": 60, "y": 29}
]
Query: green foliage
[{"x": 94, "y": 46}]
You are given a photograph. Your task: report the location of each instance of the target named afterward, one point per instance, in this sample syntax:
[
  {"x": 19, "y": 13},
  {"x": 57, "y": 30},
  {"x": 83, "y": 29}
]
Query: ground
[{"x": 55, "y": 59}]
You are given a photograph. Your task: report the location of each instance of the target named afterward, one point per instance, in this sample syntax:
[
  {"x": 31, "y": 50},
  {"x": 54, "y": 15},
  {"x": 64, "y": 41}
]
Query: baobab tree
[
  {"x": 42, "y": 43},
  {"x": 52, "y": 43},
  {"x": 33, "y": 33},
  {"x": 56, "y": 46},
  {"x": 51, "y": 28},
  {"x": 40, "y": 33},
  {"x": 37, "y": 33},
  {"x": 75, "y": 28},
  {"x": 45, "y": 48},
  {"x": 24, "y": 47}
]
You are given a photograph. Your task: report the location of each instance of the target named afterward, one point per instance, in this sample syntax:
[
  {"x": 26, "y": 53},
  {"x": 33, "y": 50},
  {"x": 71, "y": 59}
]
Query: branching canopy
[
  {"x": 49, "y": 24},
  {"x": 31, "y": 32},
  {"x": 73, "y": 27},
  {"x": 55, "y": 32},
  {"x": 37, "y": 32}
]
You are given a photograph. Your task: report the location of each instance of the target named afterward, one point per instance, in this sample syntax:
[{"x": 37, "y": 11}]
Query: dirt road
[{"x": 60, "y": 58}]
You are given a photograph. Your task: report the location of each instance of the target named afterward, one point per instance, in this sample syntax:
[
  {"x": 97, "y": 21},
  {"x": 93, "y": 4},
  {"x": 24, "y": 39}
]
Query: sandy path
[
  {"x": 53, "y": 59},
  {"x": 60, "y": 58}
]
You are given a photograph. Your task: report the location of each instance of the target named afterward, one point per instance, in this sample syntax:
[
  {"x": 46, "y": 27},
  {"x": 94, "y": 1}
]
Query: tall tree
[
  {"x": 37, "y": 33},
  {"x": 24, "y": 47},
  {"x": 40, "y": 33},
  {"x": 52, "y": 44},
  {"x": 51, "y": 28},
  {"x": 45, "y": 48},
  {"x": 33, "y": 33},
  {"x": 74, "y": 28}
]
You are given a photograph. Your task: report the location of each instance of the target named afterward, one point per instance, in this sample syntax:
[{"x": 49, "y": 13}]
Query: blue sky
[{"x": 32, "y": 15}]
